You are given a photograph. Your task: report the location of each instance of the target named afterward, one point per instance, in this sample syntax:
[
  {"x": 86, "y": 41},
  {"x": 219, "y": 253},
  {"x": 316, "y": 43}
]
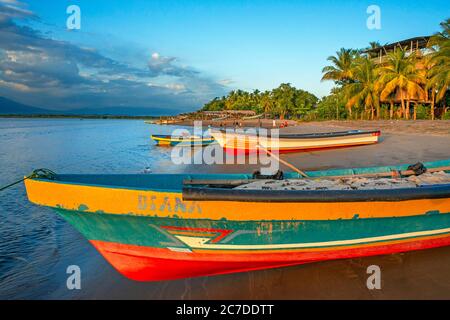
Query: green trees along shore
[
  {"x": 282, "y": 101},
  {"x": 404, "y": 84}
]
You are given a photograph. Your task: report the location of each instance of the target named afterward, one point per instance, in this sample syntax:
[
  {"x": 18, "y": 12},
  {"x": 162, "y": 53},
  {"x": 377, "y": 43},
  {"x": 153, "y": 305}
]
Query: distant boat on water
[{"x": 168, "y": 140}]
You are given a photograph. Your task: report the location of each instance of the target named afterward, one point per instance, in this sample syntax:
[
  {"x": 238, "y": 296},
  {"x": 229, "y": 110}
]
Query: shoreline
[
  {"x": 436, "y": 127},
  {"x": 422, "y": 127},
  {"x": 106, "y": 117}
]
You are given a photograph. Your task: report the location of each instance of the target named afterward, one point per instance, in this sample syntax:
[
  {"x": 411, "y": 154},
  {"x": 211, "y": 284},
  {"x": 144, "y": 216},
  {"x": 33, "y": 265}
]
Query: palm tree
[
  {"x": 230, "y": 100},
  {"x": 439, "y": 65},
  {"x": 372, "y": 45},
  {"x": 341, "y": 69},
  {"x": 284, "y": 99},
  {"x": 364, "y": 89},
  {"x": 431, "y": 85},
  {"x": 266, "y": 102},
  {"x": 400, "y": 76}
]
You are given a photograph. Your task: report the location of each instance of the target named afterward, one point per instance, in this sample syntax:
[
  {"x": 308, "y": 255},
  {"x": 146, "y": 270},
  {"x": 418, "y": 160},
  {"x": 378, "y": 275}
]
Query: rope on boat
[
  {"x": 287, "y": 164},
  {"x": 49, "y": 174},
  {"x": 36, "y": 174}
]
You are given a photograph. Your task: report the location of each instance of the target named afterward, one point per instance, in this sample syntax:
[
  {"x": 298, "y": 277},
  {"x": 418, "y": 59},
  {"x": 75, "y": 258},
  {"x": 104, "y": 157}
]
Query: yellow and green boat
[
  {"x": 168, "y": 226},
  {"x": 168, "y": 140}
]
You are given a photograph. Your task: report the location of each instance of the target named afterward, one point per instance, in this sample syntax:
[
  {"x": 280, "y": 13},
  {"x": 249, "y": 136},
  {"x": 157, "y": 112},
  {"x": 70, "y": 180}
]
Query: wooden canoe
[
  {"x": 240, "y": 142},
  {"x": 168, "y": 140},
  {"x": 154, "y": 227}
]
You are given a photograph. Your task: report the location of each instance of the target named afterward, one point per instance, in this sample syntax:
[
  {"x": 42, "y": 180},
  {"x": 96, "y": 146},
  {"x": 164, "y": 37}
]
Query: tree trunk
[
  {"x": 378, "y": 111},
  {"x": 433, "y": 98},
  {"x": 391, "y": 110},
  {"x": 407, "y": 110},
  {"x": 403, "y": 108},
  {"x": 444, "y": 105}
]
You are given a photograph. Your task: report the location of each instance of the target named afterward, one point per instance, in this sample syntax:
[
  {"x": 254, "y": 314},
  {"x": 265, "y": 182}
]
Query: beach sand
[{"x": 437, "y": 127}]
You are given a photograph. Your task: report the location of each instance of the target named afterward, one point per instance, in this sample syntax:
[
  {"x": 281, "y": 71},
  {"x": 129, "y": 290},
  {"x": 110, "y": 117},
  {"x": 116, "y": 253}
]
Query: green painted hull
[{"x": 149, "y": 231}]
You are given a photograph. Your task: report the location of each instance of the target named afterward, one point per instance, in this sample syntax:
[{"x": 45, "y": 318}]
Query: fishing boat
[
  {"x": 244, "y": 143},
  {"x": 168, "y": 226},
  {"x": 168, "y": 140}
]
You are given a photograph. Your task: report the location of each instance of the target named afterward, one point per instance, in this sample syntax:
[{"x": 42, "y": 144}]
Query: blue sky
[{"x": 201, "y": 48}]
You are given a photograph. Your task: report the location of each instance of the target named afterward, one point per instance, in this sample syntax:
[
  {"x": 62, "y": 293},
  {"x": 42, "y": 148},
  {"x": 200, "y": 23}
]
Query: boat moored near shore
[
  {"x": 168, "y": 140},
  {"x": 243, "y": 142},
  {"x": 169, "y": 226}
]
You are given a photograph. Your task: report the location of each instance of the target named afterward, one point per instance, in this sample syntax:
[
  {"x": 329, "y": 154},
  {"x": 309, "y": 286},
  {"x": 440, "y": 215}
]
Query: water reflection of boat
[
  {"x": 241, "y": 141},
  {"x": 168, "y": 226},
  {"x": 168, "y": 140}
]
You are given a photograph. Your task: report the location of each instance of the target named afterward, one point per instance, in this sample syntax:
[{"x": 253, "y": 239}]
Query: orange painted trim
[{"x": 170, "y": 204}]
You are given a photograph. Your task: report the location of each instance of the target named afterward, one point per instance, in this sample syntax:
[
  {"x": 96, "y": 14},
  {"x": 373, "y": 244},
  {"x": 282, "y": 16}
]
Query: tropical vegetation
[
  {"x": 404, "y": 85},
  {"x": 284, "y": 101}
]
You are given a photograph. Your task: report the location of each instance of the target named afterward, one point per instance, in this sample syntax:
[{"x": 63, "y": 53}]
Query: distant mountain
[{"x": 9, "y": 107}]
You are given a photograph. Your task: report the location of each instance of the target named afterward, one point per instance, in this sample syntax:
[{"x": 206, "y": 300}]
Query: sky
[{"x": 180, "y": 54}]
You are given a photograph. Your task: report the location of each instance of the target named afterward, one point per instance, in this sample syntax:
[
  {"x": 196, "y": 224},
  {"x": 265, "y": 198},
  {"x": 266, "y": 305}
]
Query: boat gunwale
[
  {"x": 178, "y": 188},
  {"x": 263, "y": 195},
  {"x": 180, "y": 139},
  {"x": 242, "y": 195},
  {"x": 318, "y": 135},
  {"x": 370, "y": 195},
  {"x": 106, "y": 186}
]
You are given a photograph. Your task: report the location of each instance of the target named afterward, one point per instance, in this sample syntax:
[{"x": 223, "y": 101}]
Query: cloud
[
  {"x": 226, "y": 82},
  {"x": 167, "y": 65},
  {"x": 13, "y": 9},
  {"x": 46, "y": 72}
]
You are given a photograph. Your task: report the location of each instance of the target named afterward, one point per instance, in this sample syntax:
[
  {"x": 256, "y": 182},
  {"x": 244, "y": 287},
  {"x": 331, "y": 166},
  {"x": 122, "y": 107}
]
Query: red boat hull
[
  {"x": 241, "y": 143},
  {"x": 154, "y": 264},
  {"x": 237, "y": 151}
]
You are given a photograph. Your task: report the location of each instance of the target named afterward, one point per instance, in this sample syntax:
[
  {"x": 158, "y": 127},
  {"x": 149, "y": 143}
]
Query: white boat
[{"x": 237, "y": 141}]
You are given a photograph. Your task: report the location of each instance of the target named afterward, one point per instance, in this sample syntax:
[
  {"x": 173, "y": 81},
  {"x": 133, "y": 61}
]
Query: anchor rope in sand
[{"x": 38, "y": 173}]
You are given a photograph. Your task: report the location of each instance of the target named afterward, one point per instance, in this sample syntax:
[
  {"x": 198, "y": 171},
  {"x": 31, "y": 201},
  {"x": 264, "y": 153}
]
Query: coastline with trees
[{"x": 400, "y": 83}]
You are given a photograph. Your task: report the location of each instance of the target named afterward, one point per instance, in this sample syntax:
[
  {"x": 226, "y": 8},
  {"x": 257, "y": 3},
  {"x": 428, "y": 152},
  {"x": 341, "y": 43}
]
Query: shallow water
[{"x": 36, "y": 245}]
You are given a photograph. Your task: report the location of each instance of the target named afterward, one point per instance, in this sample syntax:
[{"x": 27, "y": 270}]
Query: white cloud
[
  {"x": 176, "y": 86},
  {"x": 226, "y": 82}
]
